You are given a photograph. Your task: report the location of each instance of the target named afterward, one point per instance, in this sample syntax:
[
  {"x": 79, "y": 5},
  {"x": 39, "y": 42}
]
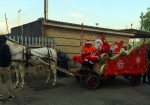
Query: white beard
[{"x": 97, "y": 45}]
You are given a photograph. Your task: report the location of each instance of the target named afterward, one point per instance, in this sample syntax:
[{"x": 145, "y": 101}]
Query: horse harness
[{"x": 27, "y": 55}]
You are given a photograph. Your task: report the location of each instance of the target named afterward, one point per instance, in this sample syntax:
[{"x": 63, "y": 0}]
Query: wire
[
  {"x": 2, "y": 21},
  {"x": 94, "y": 14},
  {"x": 13, "y": 20},
  {"x": 27, "y": 11},
  {"x": 42, "y": 14},
  {"x": 32, "y": 8},
  {"x": 30, "y": 5}
]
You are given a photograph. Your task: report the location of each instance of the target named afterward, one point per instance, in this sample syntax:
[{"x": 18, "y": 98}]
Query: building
[
  {"x": 68, "y": 36},
  {"x": 138, "y": 35}
]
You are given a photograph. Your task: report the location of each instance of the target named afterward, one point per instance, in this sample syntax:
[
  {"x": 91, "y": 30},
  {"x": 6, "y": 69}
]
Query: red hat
[
  {"x": 103, "y": 38},
  {"x": 88, "y": 41}
]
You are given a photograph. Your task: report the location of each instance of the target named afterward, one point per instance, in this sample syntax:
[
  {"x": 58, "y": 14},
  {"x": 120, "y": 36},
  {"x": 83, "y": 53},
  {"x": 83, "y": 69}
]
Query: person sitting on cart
[
  {"x": 91, "y": 59},
  {"x": 101, "y": 46},
  {"x": 87, "y": 50}
]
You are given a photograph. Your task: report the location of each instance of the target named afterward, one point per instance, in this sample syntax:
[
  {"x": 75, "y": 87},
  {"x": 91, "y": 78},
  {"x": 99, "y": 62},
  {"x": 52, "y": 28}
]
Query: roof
[
  {"x": 85, "y": 27},
  {"x": 138, "y": 33},
  {"x": 126, "y": 32}
]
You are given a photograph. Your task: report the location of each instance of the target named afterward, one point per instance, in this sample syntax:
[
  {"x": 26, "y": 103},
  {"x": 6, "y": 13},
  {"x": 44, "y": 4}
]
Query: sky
[{"x": 113, "y": 14}]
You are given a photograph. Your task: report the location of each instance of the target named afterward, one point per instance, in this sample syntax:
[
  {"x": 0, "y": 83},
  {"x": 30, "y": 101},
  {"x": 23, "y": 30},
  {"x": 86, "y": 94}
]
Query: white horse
[{"x": 19, "y": 60}]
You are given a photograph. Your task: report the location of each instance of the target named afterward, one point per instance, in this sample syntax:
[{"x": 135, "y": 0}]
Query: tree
[{"x": 145, "y": 21}]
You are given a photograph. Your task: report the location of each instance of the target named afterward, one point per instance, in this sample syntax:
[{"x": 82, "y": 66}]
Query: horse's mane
[
  {"x": 13, "y": 41},
  {"x": 10, "y": 39}
]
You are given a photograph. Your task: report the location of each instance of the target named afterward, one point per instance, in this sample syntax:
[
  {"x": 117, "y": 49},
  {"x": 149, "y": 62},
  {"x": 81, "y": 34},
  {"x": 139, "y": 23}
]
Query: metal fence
[{"x": 34, "y": 41}]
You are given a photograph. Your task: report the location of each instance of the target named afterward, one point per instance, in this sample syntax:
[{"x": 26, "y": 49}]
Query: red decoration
[
  {"x": 119, "y": 45},
  {"x": 135, "y": 63}
]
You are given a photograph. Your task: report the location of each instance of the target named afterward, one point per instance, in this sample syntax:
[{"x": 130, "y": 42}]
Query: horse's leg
[
  {"x": 37, "y": 71},
  {"x": 48, "y": 75},
  {"x": 55, "y": 74},
  {"x": 17, "y": 78},
  {"x": 21, "y": 68}
]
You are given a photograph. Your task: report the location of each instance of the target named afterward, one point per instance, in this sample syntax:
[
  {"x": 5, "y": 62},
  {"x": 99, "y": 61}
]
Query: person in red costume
[
  {"x": 91, "y": 59},
  {"x": 87, "y": 50},
  {"x": 102, "y": 47},
  {"x": 106, "y": 45}
]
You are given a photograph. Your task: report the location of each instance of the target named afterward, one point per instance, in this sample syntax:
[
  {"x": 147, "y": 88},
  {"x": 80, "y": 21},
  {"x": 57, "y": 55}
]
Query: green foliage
[{"x": 145, "y": 22}]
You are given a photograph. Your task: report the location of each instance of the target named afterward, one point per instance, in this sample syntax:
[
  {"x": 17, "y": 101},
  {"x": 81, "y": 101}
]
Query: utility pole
[
  {"x": 45, "y": 14},
  {"x": 6, "y": 23},
  {"x": 19, "y": 17},
  {"x": 81, "y": 38},
  {"x": 46, "y": 9}
]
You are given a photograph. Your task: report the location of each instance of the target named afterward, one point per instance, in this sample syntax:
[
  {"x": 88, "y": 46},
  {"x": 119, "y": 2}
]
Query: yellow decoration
[{"x": 104, "y": 56}]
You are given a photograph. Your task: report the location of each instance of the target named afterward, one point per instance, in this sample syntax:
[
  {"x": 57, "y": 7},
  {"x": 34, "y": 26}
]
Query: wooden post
[{"x": 81, "y": 38}]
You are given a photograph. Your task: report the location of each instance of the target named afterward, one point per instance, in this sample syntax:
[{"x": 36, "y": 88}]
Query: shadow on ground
[{"x": 38, "y": 85}]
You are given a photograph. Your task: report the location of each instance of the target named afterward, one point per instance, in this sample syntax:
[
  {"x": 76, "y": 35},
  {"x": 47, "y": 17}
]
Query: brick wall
[{"x": 68, "y": 40}]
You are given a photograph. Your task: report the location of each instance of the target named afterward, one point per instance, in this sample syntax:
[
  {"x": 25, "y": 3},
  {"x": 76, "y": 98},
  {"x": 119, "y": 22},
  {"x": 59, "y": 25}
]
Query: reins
[{"x": 17, "y": 53}]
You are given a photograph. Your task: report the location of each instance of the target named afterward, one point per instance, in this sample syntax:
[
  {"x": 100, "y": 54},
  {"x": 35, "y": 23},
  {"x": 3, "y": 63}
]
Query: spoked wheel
[
  {"x": 92, "y": 81},
  {"x": 84, "y": 74},
  {"x": 135, "y": 80}
]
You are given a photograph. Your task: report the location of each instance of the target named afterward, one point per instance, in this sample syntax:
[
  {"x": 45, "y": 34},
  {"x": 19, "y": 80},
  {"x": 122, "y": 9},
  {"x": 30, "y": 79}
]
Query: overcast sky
[{"x": 114, "y": 14}]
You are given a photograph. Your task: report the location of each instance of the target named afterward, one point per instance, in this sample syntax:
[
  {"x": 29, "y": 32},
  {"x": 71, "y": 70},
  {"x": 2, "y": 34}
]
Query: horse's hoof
[
  {"x": 21, "y": 88},
  {"x": 54, "y": 84},
  {"x": 15, "y": 87},
  {"x": 46, "y": 82}
]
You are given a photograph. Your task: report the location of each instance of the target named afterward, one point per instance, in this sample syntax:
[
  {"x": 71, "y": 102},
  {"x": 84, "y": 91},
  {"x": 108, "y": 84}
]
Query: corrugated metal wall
[{"x": 30, "y": 29}]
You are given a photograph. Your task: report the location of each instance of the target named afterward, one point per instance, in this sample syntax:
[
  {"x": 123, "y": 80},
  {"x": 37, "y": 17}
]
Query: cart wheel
[
  {"x": 82, "y": 72},
  {"x": 112, "y": 77},
  {"x": 92, "y": 81},
  {"x": 135, "y": 80},
  {"x": 127, "y": 76}
]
